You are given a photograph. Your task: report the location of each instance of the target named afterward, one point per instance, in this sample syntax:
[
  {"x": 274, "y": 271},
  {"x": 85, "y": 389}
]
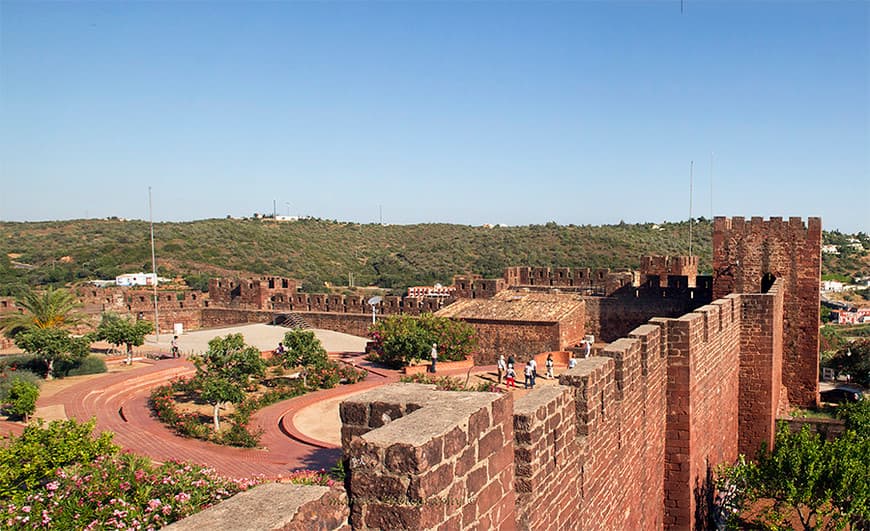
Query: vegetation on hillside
[
  {"x": 323, "y": 251},
  {"x": 318, "y": 251}
]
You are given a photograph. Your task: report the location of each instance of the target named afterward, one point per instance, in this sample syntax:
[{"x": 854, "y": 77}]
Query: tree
[
  {"x": 854, "y": 360},
  {"x": 403, "y": 339},
  {"x": 225, "y": 369},
  {"x": 303, "y": 348},
  {"x": 825, "y": 484},
  {"x": 53, "y": 308},
  {"x": 51, "y": 345},
  {"x": 123, "y": 331},
  {"x": 22, "y": 398}
]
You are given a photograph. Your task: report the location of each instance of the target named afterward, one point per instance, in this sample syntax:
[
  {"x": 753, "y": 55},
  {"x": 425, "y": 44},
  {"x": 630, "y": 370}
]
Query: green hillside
[{"x": 318, "y": 251}]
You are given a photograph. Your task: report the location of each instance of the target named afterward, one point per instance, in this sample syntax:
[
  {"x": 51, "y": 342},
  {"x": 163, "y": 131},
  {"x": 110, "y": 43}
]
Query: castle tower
[{"x": 748, "y": 256}]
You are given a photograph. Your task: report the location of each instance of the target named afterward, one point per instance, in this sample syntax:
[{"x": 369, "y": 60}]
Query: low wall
[
  {"x": 440, "y": 366},
  {"x": 220, "y": 317},
  {"x": 274, "y": 507},
  {"x": 829, "y": 429},
  {"x": 347, "y": 323}
]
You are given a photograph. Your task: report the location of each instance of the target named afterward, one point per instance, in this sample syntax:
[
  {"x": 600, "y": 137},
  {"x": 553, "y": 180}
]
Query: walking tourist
[{"x": 501, "y": 365}]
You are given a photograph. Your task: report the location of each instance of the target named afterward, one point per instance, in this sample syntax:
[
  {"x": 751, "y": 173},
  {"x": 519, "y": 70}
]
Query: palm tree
[{"x": 53, "y": 308}]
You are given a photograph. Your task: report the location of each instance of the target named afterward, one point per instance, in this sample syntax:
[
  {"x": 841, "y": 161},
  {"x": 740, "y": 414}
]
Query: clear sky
[{"x": 483, "y": 112}]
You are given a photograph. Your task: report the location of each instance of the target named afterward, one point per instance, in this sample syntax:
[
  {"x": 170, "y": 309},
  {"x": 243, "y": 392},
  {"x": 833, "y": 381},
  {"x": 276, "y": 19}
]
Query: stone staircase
[{"x": 290, "y": 320}]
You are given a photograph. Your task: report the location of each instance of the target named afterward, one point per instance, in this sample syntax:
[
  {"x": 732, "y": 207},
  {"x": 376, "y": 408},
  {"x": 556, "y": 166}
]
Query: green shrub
[
  {"x": 21, "y": 400},
  {"x": 27, "y": 362},
  {"x": 8, "y": 377},
  {"x": 31, "y": 459},
  {"x": 93, "y": 364}
]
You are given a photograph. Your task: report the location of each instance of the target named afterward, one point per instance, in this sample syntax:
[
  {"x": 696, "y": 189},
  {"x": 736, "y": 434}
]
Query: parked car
[{"x": 843, "y": 394}]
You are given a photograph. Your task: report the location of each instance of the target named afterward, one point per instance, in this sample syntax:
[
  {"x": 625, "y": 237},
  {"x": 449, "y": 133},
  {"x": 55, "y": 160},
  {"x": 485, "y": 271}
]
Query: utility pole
[
  {"x": 691, "y": 186},
  {"x": 154, "y": 269}
]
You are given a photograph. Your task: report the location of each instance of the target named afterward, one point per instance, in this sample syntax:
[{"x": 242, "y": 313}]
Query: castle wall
[
  {"x": 547, "y": 459},
  {"x": 744, "y": 252},
  {"x": 421, "y": 459},
  {"x": 521, "y": 339},
  {"x": 760, "y": 367},
  {"x": 347, "y": 323},
  {"x": 620, "y": 414},
  {"x": 703, "y": 349},
  {"x": 609, "y": 318}
]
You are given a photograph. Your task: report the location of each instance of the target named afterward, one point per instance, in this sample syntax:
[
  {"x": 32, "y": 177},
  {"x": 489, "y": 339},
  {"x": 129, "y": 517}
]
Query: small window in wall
[{"x": 767, "y": 281}]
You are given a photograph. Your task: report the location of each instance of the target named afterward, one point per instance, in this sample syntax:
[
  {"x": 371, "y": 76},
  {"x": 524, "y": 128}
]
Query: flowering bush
[
  {"x": 60, "y": 477},
  {"x": 350, "y": 375},
  {"x": 311, "y": 477},
  {"x": 123, "y": 491},
  {"x": 191, "y": 425}
]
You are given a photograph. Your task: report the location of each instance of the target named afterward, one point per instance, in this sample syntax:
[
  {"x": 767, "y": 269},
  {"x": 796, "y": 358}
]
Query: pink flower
[
  {"x": 182, "y": 497},
  {"x": 52, "y": 486},
  {"x": 153, "y": 504},
  {"x": 26, "y": 509}
]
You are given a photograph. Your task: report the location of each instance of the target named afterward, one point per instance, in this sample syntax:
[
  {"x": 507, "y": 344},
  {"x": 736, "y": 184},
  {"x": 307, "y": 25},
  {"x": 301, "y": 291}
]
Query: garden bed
[{"x": 422, "y": 368}]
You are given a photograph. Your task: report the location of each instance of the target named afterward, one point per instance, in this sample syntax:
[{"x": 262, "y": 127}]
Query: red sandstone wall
[
  {"x": 219, "y": 317},
  {"x": 547, "y": 460},
  {"x": 348, "y": 323},
  {"x": 520, "y": 339},
  {"x": 572, "y": 328},
  {"x": 702, "y": 423},
  {"x": 743, "y": 251},
  {"x": 609, "y": 318},
  {"x": 620, "y": 415},
  {"x": 424, "y": 459},
  {"x": 760, "y": 367}
]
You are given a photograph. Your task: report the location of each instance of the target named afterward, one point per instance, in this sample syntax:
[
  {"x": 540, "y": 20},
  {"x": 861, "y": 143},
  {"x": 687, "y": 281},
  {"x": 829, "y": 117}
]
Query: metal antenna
[
  {"x": 711, "y": 187},
  {"x": 154, "y": 269},
  {"x": 691, "y": 186}
]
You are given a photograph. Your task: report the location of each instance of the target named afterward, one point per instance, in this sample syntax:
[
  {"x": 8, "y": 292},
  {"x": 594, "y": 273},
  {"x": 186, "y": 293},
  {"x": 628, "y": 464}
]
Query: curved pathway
[{"x": 119, "y": 403}]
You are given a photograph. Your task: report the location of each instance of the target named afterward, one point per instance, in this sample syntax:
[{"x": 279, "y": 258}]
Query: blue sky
[{"x": 485, "y": 112}]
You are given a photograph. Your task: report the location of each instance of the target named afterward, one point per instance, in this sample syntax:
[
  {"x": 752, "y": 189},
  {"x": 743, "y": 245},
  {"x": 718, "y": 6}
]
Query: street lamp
[{"x": 372, "y": 302}]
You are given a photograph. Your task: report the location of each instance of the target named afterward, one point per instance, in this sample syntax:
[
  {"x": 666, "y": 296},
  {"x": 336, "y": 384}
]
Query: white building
[
  {"x": 832, "y": 285},
  {"x": 136, "y": 279}
]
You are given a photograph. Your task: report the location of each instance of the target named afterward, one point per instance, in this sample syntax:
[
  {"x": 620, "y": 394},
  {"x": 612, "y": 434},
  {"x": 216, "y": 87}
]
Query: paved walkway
[{"x": 302, "y": 432}]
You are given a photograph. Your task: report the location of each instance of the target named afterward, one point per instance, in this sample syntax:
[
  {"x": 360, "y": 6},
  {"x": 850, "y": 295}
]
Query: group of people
[{"x": 530, "y": 371}]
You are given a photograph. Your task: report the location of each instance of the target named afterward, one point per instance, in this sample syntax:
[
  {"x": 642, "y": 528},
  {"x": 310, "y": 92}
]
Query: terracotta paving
[{"x": 119, "y": 402}]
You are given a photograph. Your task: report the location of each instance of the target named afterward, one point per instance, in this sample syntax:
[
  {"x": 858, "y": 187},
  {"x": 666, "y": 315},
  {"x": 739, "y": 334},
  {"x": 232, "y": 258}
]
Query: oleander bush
[{"x": 60, "y": 476}]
